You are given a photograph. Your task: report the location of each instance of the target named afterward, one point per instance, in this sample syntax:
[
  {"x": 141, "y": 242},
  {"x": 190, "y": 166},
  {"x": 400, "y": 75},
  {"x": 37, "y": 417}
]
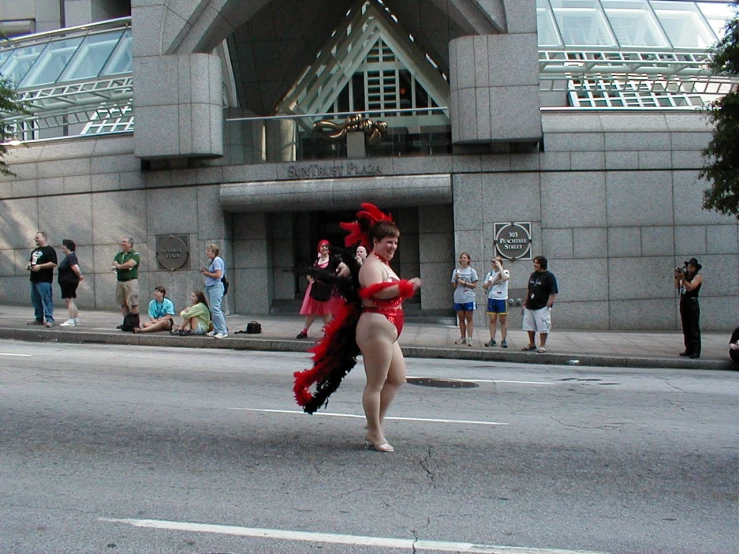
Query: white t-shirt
[
  {"x": 463, "y": 294},
  {"x": 499, "y": 290}
]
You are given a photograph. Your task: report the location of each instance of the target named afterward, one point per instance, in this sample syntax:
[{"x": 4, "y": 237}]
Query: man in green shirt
[{"x": 126, "y": 266}]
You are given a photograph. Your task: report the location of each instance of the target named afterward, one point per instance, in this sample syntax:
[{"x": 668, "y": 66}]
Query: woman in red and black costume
[
  {"x": 382, "y": 293},
  {"x": 371, "y": 320}
]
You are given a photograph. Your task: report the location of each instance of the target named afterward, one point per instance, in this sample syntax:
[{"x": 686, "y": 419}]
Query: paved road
[{"x": 144, "y": 450}]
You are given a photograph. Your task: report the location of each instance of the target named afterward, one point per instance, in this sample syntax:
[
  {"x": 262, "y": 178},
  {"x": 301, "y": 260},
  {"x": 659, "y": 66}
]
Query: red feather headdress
[{"x": 359, "y": 230}]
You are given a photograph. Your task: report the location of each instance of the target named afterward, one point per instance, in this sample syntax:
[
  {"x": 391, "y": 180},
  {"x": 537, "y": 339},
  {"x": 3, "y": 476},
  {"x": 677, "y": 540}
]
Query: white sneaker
[
  {"x": 469, "y": 341},
  {"x": 68, "y": 323},
  {"x": 220, "y": 335},
  {"x": 210, "y": 334}
]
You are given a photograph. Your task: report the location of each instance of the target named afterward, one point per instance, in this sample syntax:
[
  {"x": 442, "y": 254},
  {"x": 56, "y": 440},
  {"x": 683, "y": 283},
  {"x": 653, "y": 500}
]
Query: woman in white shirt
[
  {"x": 496, "y": 283},
  {"x": 464, "y": 282}
]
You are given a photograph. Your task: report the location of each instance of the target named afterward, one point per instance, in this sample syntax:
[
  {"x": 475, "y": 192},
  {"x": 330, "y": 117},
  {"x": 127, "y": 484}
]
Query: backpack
[
  {"x": 252, "y": 328},
  {"x": 130, "y": 322}
]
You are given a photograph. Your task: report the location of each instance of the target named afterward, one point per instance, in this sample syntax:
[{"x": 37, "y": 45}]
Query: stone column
[
  {"x": 494, "y": 82},
  {"x": 179, "y": 108},
  {"x": 283, "y": 256},
  {"x": 436, "y": 257},
  {"x": 281, "y": 139},
  {"x": 252, "y": 264}
]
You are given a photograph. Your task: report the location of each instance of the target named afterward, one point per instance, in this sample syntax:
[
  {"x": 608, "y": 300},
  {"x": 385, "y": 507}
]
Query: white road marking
[
  {"x": 488, "y": 381},
  {"x": 330, "y": 414},
  {"x": 332, "y": 538},
  {"x": 515, "y": 382},
  {"x": 18, "y": 355}
]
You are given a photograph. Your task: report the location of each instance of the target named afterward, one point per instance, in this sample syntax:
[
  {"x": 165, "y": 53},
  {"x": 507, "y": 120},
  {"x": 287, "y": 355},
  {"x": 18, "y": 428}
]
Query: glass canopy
[
  {"x": 95, "y": 56},
  {"x": 592, "y": 53},
  {"x": 630, "y": 24}
]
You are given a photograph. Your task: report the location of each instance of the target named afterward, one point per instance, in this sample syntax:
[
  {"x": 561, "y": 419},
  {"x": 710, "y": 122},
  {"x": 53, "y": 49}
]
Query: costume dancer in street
[{"x": 370, "y": 321}]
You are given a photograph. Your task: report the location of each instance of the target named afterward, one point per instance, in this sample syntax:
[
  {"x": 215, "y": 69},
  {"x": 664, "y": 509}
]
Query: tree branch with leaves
[{"x": 721, "y": 167}]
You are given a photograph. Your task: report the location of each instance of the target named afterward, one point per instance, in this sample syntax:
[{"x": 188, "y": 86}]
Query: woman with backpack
[{"x": 215, "y": 275}]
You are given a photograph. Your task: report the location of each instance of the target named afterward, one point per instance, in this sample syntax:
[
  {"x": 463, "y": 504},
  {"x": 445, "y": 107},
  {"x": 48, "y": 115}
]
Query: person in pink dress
[{"x": 320, "y": 297}]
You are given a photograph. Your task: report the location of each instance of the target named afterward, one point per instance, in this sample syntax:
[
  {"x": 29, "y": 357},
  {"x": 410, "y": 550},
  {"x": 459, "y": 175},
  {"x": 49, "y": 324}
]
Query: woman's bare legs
[
  {"x": 395, "y": 379},
  {"x": 309, "y": 319},
  {"x": 504, "y": 327},
  {"x": 468, "y": 316},
  {"x": 154, "y": 326},
  {"x": 493, "y": 321},
  {"x": 188, "y": 324},
  {"x": 74, "y": 313},
  {"x": 384, "y": 367},
  {"x": 462, "y": 319}
]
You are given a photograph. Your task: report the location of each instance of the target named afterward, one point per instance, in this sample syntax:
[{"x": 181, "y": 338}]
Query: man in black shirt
[
  {"x": 41, "y": 265},
  {"x": 540, "y": 297}
]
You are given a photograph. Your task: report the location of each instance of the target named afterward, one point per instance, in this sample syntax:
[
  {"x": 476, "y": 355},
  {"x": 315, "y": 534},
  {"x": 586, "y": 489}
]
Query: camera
[{"x": 681, "y": 271}]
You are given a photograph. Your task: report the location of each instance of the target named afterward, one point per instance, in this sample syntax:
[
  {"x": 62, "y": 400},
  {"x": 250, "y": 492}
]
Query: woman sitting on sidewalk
[
  {"x": 161, "y": 313},
  {"x": 196, "y": 317}
]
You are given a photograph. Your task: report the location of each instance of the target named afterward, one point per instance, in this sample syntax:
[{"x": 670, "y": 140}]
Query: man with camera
[{"x": 688, "y": 281}]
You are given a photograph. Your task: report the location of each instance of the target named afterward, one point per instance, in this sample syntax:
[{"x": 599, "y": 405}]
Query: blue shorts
[
  {"x": 465, "y": 307},
  {"x": 497, "y": 306}
]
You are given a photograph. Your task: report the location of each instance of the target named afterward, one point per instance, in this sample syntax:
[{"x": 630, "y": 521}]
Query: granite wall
[{"x": 614, "y": 201}]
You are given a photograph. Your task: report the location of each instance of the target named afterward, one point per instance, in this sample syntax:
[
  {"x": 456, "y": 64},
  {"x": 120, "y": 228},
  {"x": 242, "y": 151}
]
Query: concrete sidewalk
[{"x": 429, "y": 340}]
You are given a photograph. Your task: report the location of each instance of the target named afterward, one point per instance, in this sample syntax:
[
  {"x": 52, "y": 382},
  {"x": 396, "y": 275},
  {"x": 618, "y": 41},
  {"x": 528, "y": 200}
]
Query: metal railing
[{"x": 65, "y": 33}]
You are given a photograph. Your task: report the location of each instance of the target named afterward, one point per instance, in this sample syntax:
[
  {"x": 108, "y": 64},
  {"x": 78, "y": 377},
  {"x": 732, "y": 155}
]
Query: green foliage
[
  {"x": 722, "y": 155},
  {"x": 8, "y": 106}
]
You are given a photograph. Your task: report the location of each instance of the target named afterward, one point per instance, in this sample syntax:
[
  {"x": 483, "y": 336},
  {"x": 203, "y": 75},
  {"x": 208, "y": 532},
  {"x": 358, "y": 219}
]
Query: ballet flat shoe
[{"x": 384, "y": 447}]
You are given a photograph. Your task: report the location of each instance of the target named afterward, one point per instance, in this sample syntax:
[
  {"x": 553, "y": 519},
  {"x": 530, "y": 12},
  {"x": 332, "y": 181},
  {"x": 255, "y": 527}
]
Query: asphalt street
[{"x": 131, "y": 449}]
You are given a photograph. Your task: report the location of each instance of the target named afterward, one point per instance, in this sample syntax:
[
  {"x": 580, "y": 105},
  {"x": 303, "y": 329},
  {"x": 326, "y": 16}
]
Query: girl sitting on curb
[{"x": 196, "y": 317}]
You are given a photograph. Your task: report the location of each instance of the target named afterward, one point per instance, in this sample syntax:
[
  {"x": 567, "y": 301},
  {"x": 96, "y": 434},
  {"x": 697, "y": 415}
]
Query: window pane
[
  {"x": 121, "y": 61},
  {"x": 582, "y": 23},
  {"x": 717, "y": 16},
  {"x": 405, "y": 92},
  {"x": 51, "y": 63},
  {"x": 358, "y": 103},
  {"x": 91, "y": 56},
  {"x": 633, "y": 23},
  {"x": 684, "y": 24},
  {"x": 545, "y": 25},
  {"x": 16, "y": 67},
  {"x": 4, "y": 55}
]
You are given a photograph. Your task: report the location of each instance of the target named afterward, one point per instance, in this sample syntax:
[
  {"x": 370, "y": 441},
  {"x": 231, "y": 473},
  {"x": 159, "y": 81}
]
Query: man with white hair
[{"x": 126, "y": 266}]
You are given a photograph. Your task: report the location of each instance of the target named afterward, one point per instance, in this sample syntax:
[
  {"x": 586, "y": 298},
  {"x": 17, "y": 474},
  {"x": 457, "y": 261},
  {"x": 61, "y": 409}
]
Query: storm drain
[{"x": 441, "y": 383}]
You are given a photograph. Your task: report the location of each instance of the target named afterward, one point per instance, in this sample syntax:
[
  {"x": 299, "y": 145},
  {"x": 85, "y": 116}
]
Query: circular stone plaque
[
  {"x": 172, "y": 252},
  {"x": 513, "y": 241}
]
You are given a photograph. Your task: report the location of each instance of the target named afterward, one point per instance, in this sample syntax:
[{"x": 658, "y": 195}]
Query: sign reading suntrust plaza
[
  {"x": 513, "y": 240},
  {"x": 172, "y": 251},
  {"x": 332, "y": 170}
]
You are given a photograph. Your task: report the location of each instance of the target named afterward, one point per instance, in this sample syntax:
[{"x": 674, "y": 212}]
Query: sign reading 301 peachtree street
[{"x": 513, "y": 240}]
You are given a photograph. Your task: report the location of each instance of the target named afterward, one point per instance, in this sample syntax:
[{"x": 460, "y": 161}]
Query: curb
[
  {"x": 292, "y": 345},
  {"x": 549, "y": 358}
]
